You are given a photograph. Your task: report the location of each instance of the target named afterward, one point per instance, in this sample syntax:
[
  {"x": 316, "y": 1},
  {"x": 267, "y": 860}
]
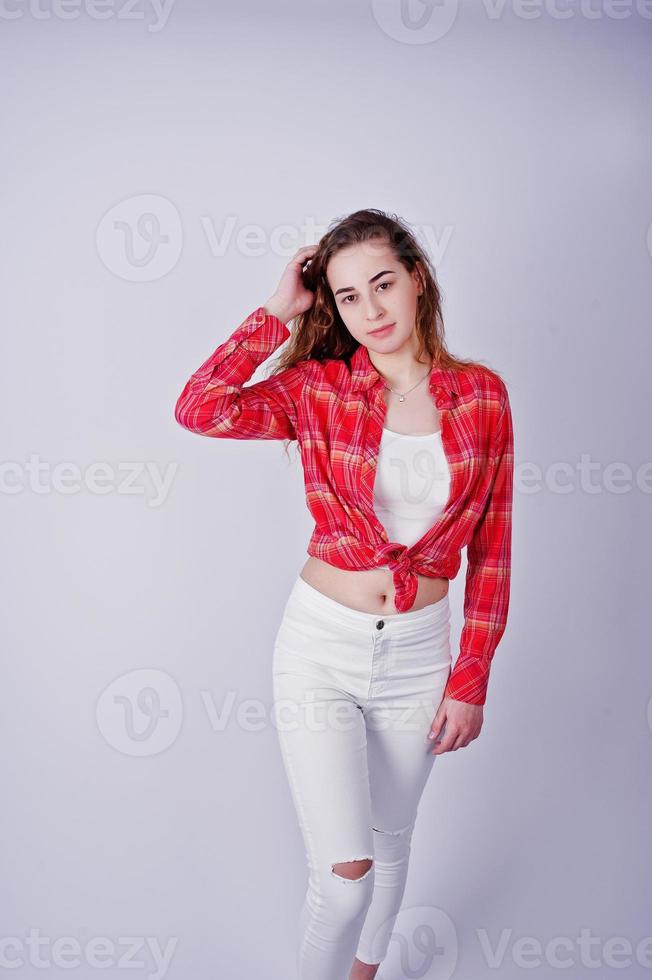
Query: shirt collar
[{"x": 364, "y": 376}]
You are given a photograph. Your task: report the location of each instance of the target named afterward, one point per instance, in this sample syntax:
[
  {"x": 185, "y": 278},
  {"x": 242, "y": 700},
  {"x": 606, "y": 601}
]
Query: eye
[{"x": 380, "y": 285}]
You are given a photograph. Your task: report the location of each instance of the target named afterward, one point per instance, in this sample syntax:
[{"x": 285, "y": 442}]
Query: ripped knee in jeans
[{"x": 355, "y": 869}]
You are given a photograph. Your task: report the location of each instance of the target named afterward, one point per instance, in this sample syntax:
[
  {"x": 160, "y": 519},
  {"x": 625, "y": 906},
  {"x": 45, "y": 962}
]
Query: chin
[{"x": 388, "y": 346}]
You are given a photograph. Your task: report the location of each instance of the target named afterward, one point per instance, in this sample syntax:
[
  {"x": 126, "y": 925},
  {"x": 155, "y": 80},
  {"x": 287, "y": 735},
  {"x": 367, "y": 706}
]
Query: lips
[{"x": 382, "y": 330}]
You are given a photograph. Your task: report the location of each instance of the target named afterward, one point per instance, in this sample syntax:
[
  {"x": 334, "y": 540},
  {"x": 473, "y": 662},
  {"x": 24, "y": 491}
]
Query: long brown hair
[{"x": 320, "y": 332}]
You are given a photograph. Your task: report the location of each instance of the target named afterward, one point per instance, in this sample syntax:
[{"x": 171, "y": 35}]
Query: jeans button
[{"x": 380, "y": 624}]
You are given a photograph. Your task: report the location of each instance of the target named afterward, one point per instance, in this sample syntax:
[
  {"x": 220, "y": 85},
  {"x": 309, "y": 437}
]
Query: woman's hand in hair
[{"x": 291, "y": 297}]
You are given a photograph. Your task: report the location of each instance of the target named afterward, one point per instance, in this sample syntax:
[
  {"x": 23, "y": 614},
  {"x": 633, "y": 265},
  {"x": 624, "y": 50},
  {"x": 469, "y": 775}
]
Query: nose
[{"x": 374, "y": 310}]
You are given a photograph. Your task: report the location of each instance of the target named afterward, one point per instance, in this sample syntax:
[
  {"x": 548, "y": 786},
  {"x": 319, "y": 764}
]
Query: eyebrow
[{"x": 349, "y": 289}]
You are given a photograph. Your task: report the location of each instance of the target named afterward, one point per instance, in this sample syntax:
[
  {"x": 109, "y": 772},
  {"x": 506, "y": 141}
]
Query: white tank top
[{"x": 411, "y": 485}]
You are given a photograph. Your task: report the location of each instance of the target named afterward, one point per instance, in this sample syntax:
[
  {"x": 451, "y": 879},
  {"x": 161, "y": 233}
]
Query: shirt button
[{"x": 380, "y": 624}]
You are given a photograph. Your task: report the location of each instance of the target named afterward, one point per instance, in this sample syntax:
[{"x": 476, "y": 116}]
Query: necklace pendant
[{"x": 401, "y": 398}]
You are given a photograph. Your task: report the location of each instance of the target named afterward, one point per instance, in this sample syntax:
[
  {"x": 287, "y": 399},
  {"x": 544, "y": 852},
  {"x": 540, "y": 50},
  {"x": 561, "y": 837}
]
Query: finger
[
  {"x": 299, "y": 259},
  {"x": 303, "y": 258},
  {"x": 445, "y": 744},
  {"x": 437, "y": 727},
  {"x": 440, "y": 748}
]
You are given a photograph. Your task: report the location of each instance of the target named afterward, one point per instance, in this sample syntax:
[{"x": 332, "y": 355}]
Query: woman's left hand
[{"x": 462, "y": 721}]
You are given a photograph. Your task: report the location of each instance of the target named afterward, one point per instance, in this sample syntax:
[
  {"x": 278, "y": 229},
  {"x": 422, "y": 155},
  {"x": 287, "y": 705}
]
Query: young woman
[{"x": 407, "y": 454}]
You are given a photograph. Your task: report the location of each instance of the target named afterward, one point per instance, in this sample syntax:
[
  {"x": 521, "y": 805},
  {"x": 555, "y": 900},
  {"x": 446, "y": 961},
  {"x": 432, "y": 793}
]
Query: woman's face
[{"x": 371, "y": 288}]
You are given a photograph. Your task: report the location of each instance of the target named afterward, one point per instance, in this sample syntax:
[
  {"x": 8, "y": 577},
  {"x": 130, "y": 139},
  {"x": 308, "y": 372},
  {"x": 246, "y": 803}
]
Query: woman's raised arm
[{"x": 215, "y": 400}]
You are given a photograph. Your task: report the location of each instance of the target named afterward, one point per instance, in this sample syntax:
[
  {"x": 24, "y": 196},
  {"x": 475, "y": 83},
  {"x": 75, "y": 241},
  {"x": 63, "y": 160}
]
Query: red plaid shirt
[{"x": 336, "y": 415}]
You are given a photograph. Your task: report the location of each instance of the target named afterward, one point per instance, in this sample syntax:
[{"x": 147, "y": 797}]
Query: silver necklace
[{"x": 401, "y": 396}]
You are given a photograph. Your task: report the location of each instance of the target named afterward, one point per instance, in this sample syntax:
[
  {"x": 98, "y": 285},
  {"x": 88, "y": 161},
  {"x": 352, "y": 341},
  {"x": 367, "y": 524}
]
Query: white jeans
[{"x": 354, "y": 696}]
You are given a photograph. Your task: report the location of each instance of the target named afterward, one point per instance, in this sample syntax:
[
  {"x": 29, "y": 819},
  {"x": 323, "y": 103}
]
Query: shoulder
[
  {"x": 484, "y": 383},
  {"x": 331, "y": 371},
  {"x": 310, "y": 378}
]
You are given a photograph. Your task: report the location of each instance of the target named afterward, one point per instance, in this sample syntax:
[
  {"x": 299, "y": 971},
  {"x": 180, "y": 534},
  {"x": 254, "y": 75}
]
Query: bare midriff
[{"x": 370, "y": 590}]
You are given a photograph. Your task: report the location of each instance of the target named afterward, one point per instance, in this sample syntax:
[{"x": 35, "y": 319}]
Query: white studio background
[{"x": 160, "y": 165}]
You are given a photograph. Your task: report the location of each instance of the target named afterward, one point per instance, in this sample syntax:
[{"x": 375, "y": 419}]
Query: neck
[{"x": 399, "y": 370}]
